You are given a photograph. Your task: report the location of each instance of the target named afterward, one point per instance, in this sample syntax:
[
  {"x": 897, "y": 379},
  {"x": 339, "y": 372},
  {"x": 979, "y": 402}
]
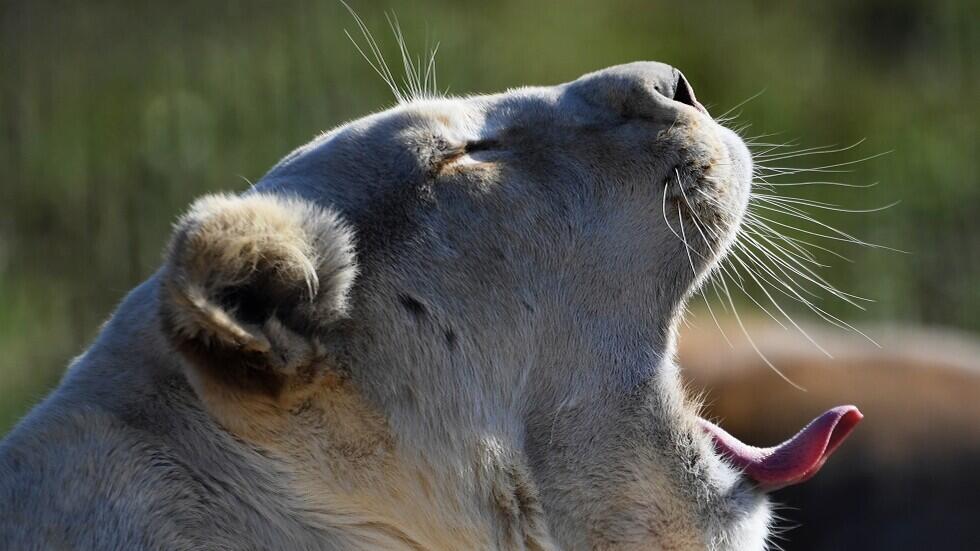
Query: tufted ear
[{"x": 251, "y": 288}]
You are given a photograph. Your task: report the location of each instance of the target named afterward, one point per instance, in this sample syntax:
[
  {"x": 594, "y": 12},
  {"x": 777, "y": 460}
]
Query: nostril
[{"x": 685, "y": 94}]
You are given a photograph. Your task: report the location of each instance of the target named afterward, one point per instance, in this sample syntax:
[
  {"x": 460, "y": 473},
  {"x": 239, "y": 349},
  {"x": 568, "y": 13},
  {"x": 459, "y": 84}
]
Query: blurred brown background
[{"x": 115, "y": 114}]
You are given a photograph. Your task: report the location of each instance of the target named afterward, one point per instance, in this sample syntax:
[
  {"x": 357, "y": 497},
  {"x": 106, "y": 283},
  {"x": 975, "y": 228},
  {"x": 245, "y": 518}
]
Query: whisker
[
  {"x": 817, "y": 183},
  {"x": 696, "y": 221},
  {"x": 824, "y": 168},
  {"x": 794, "y": 265},
  {"x": 741, "y": 103},
  {"x": 792, "y": 293},
  {"x": 798, "y": 250},
  {"x": 819, "y": 204},
  {"x": 759, "y": 225},
  {"x": 845, "y": 237},
  {"x": 783, "y": 312},
  {"x": 664, "y": 209},
  {"x": 751, "y": 342},
  {"x": 810, "y": 151},
  {"x": 430, "y": 71},
  {"x": 411, "y": 79},
  {"x": 730, "y": 268},
  {"x": 379, "y": 64}
]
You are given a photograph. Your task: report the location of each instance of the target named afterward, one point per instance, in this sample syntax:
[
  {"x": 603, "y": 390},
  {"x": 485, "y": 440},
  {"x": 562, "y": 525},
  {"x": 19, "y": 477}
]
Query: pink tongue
[{"x": 796, "y": 459}]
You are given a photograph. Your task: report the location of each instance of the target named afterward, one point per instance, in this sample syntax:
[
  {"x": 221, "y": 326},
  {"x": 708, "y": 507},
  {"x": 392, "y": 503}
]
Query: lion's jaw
[{"x": 522, "y": 259}]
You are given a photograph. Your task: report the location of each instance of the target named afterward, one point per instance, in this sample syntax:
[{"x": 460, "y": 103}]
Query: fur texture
[{"x": 498, "y": 375}]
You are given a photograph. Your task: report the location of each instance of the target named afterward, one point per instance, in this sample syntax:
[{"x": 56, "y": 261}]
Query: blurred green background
[{"x": 114, "y": 115}]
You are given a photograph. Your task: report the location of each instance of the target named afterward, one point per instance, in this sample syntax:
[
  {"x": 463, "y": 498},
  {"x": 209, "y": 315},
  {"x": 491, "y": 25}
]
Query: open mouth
[{"x": 795, "y": 460}]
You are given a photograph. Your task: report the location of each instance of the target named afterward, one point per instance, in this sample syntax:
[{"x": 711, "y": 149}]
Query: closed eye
[
  {"x": 481, "y": 145},
  {"x": 471, "y": 154}
]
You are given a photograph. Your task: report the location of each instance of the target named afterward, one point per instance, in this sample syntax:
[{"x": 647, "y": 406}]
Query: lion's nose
[{"x": 638, "y": 88}]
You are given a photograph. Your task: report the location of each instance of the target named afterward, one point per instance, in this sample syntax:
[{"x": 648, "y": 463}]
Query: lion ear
[{"x": 252, "y": 287}]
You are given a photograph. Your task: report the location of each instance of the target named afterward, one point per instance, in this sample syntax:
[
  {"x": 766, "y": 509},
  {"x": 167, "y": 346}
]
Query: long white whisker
[
  {"x": 732, "y": 270},
  {"x": 407, "y": 66},
  {"x": 845, "y": 237},
  {"x": 817, "y": 183},
  {"x": 793, "y": 286},
  {"x": 797, "y": 250},
  {"x": 664, "y": 209},
  {"x": 826, "y": 168},
  {"x": 740, "y": 104},
  {"x": 791, "y": 263},
  {"x": 691, "y": 260},
  {"x": 810, "y": 151},
  {"x": 780, "y": 308},
  {"x": 819, "y": 204},
  {"x": 759, "y": 225},
  {"x": 379, "y": 64},
  {"x": 792, "y": 293},
  {"x": 748, "y": 337}
]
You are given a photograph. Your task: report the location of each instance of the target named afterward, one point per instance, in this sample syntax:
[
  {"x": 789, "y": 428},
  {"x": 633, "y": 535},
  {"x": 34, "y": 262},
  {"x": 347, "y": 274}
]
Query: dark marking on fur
[
  {"x": 450, "y": 339},
  {"x": 498, "y": 254},
  {"x": 413, "y": 306}
]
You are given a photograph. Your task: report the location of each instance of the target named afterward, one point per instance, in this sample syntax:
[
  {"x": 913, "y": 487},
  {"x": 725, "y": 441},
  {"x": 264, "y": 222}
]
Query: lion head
[{"x": 451, "y": 324}]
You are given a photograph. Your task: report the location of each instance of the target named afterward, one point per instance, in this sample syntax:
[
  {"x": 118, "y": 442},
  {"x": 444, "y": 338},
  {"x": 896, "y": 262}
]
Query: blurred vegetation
[{"x": 114, "y": 115}]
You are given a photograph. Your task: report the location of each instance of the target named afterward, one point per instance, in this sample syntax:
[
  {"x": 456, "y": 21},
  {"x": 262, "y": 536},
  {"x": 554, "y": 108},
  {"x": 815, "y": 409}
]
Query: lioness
[{"x": 449, "y": 325}]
